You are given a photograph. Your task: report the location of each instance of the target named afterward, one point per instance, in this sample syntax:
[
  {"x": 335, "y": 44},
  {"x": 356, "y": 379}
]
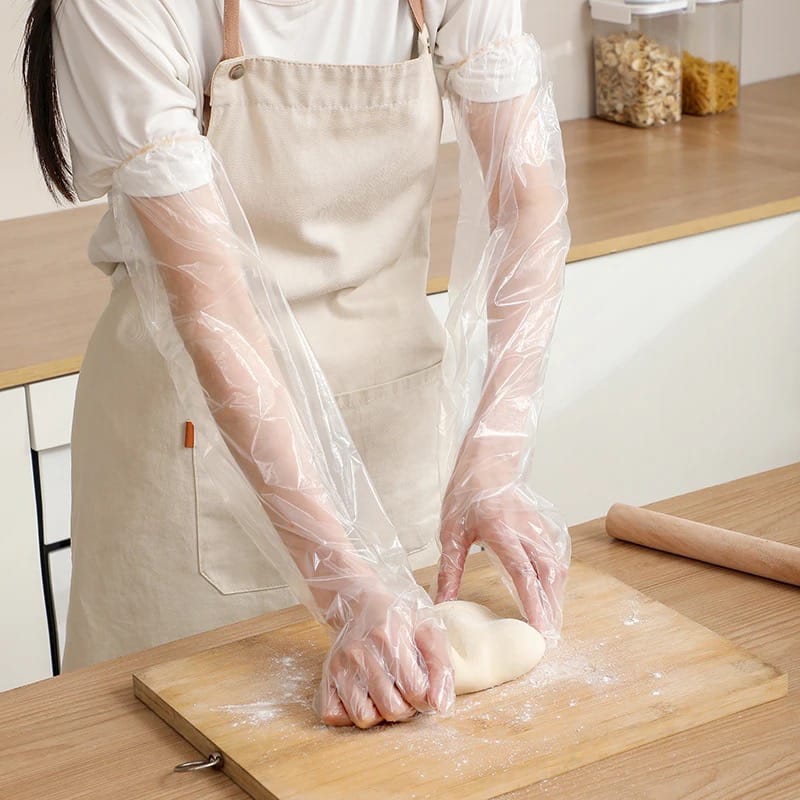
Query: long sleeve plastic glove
[
  {"x": 505, "y": 292},
  {"x": 274, "y": 439}
]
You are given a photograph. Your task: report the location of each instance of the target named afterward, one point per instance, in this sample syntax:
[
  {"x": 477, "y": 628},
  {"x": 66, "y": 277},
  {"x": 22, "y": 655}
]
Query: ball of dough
[{"x": 486, "y": 650}]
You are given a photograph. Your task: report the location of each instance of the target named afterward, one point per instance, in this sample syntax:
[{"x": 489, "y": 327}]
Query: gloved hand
[
  {"x": 276, "y": 444},
  {"x": 486, "y": 503},
  {"x": 505, "y": 290},
  {"x": 389, "y": 661}
]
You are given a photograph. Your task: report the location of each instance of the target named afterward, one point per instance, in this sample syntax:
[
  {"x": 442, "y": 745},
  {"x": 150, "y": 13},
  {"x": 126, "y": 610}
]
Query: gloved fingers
[
  {"x": 346, "y": 670},
  {"x": 411, "y": 674},
  {"x": 432, "y": 643},
  {"x": 352, "y": 691},
  {"x": 549, "y": 597},
  {"x": 552, "y": 580},
  {"x": 455, "y": 546},
  {"x": 522, "y": 571},
  {"x": 327, "y": 704},
  {"x": 384, "y": 693}
]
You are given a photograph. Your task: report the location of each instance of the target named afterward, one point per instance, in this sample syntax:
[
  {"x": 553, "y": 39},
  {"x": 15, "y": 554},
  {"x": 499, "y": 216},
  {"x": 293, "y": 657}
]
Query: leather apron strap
[{"x": 231, "y": 38}]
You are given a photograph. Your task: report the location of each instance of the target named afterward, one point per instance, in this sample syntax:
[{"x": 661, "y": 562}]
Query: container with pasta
[
  {"x": 637, "y": 60},
  {"x": 712, "y": 45}
]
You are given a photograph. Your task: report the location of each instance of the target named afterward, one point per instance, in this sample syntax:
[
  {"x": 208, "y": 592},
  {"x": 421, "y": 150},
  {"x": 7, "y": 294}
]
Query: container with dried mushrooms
[
  {"x": 637, "y": 60},
  {"x": 712, "y": 48}
]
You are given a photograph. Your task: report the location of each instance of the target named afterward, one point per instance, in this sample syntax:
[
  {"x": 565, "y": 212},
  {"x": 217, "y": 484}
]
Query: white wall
[
  {"x": 770, "y": 46},
  {"x": 563, "y": 29},
  {"x": 23, "y": 192}
]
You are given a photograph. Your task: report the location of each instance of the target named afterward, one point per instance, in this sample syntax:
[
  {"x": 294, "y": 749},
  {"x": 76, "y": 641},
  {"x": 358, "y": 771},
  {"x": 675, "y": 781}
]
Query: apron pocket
[
  {"x": 226, "y": 556},
  {"x": 394, "y": 426}
]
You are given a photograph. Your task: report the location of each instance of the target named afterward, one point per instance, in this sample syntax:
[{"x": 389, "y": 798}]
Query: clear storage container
[
  {"x": 637, "y": 60},
  {"x": 712, "y": 55}
]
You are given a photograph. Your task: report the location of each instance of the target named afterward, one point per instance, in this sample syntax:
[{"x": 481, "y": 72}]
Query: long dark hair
[{"x": 41, "y": 95}]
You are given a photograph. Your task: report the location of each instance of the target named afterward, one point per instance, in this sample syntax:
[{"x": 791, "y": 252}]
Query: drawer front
[
  {"x": 54, "y": 484},
  {"x": 50, "y": 406}
]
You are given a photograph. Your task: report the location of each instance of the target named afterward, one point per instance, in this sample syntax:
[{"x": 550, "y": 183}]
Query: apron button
[{"x": 237, "y": 70}]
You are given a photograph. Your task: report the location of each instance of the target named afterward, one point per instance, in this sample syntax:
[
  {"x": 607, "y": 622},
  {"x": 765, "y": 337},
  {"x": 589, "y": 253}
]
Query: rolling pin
[{"x": 739, "y": 551}]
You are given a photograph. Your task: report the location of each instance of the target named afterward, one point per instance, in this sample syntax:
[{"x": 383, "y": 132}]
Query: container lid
[
  {"x": 623, "y": 12},
  {"x": 694, "y": 3}
]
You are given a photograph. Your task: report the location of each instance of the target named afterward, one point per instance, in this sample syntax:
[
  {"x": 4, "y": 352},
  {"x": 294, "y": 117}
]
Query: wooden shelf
[{"x": 628, "y": 188}]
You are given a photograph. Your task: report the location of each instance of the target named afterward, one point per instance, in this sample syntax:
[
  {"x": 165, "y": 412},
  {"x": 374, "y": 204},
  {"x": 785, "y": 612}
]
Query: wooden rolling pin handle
[{"x": 739, "y": 551}]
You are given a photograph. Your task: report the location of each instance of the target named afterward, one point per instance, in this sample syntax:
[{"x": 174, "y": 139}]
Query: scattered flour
[
  {"x": 288, "y": 683},
  {"x": 576, "y": 671}
]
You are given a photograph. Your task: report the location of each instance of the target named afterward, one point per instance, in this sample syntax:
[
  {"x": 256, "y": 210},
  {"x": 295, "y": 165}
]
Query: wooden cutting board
[{"x": 629, "y": 671}]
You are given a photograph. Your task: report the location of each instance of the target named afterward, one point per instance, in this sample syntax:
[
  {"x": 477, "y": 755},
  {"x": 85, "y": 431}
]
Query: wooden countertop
[
  {"x": 85, "y": 735},
  {"x": 627, "y": 188}
]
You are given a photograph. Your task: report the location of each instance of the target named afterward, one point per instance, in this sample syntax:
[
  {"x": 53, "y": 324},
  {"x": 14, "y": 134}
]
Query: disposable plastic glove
[
  {"x": 271, "y": 436},
  {"x": 389, "y": 661},
  {"x": 503, "y": 514},
  {"x": 505, "y": 291}
]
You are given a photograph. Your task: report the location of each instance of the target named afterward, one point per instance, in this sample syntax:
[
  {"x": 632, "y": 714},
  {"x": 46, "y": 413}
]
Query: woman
[{"x": 258, "y": 410}]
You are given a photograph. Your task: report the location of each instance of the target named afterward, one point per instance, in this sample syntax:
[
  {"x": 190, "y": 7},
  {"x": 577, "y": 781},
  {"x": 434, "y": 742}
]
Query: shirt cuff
[
  {"x": 500, "y": 71},
  {"x": 165, "y": 167}
]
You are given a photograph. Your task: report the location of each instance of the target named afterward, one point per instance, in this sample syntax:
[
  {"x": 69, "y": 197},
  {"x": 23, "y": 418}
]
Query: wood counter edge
[
  {"x": 22, "y": 376},
  {"x": 667, "y": 233},
  {"x": 682, "y": 230}
]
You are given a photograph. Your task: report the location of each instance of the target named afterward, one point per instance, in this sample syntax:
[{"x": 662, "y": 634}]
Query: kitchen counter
[
  {"x": 628, "y": 188},
  {"x": 85, "y": 735}
]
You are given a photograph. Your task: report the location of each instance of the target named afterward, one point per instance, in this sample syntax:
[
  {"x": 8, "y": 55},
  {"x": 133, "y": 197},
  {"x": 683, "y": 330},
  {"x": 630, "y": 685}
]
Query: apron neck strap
[
  {"x": 417, "y": 13},
  {"x": 232, "y": 42}
]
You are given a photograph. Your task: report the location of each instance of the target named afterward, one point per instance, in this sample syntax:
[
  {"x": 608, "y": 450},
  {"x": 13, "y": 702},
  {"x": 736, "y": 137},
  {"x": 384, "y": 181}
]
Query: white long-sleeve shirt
[{"x": 131, "y": 72}]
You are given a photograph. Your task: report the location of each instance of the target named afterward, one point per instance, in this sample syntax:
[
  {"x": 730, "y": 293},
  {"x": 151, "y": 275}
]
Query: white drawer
[
  {"x": 54, "y": 484},
  {"x": 50, "y": 406},
  {"x": 60, "y": 576}
]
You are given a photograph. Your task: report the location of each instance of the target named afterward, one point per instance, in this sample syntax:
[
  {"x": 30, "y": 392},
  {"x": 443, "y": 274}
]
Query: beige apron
[{"x": 334, "y": 166}]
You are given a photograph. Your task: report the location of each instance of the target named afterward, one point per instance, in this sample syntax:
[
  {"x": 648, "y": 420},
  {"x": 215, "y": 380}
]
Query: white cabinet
[
  {"x": 25, "y": 650},
  {"x": 673, "y": 367},
  {"x": 50, "y": 407},
  {"x": 35, "y": 565}
]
